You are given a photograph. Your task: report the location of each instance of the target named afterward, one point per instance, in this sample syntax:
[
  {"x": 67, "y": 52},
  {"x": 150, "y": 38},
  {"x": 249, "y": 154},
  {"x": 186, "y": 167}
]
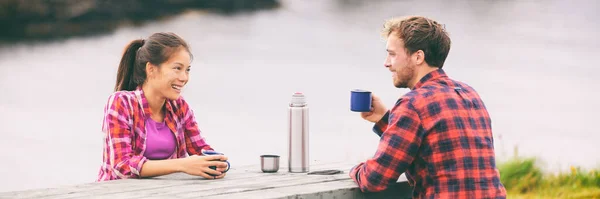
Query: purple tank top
[{"x": 160, "y": 141}]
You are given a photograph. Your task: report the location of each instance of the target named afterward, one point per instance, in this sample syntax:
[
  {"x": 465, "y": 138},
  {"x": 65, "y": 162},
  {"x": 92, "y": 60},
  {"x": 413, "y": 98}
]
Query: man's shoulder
[
  {"x": 426, "y": 91},
  {"x": 440, "y": 87},
  {"x": 459, "y": 83},
  {"x": 437, "y": 91}
]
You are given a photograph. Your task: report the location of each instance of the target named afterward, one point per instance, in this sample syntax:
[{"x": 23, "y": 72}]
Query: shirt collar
[
  {"x": 430, "y": 76},
  {"x": 146, "y": 106}
]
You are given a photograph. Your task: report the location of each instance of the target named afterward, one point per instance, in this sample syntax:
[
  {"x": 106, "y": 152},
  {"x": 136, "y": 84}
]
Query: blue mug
[
  {"x": 209, "y": 152},
  {"x": 360, "y": 100}
]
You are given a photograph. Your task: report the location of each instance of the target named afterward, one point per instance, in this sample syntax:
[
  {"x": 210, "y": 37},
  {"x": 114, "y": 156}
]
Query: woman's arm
[
  {"x": 195, "y": 143},
  {"x": 193, "y": 165},
  {"x": 154, "y": 168},
  {"x": 119, "y": 158}
]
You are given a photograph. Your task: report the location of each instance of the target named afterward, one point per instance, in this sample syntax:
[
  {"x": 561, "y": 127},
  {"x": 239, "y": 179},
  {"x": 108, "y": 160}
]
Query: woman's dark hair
[{"x": 156, "y": 49}]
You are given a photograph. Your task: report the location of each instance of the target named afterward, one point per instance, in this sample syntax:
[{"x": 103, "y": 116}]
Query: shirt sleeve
[
  {"x": 398, "y": 146},
  {"x": 381, "y": 125},
  {"x": 118, "y": 151},
  {"x": 195, "y": 143}
]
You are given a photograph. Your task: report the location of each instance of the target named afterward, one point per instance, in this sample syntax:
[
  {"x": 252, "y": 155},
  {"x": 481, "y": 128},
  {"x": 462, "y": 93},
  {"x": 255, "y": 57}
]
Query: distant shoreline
[{"x": 42, "y": 20}]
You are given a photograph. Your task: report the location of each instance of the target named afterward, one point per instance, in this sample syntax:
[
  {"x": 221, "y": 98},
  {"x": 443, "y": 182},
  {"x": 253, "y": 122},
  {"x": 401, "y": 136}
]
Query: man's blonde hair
[{"x": 421, "y": 33}]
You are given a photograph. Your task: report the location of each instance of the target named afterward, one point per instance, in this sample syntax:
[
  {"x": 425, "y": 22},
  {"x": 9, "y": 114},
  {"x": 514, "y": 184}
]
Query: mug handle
[
  {"x": 228, "y": 167},
  {"x": 211, "y": 152}
]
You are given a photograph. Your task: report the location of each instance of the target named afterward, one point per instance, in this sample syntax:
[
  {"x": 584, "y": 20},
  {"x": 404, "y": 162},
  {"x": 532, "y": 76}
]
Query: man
[{"x": 439, "y": 134}]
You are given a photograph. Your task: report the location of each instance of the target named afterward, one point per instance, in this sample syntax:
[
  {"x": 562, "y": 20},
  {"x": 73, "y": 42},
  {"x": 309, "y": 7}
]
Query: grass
[{"x": 523, "y": 178}]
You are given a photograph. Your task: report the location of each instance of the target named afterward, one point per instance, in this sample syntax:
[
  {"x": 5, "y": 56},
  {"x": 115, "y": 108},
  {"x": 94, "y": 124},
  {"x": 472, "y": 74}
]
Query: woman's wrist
[{"x": 179, "y": 164}]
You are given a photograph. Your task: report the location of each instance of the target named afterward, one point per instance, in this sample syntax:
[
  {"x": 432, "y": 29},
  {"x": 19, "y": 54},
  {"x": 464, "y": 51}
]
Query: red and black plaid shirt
[{"x": 440, "y": 135}]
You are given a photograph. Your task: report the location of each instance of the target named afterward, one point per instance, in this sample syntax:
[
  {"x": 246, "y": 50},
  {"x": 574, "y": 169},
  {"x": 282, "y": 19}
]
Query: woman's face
[{"x": 169, "y": 78}]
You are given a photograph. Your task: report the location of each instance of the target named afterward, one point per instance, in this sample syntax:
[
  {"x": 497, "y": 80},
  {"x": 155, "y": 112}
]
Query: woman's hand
[
  {"x": 222, "y": 169},
  {"x": 200, "y": 166}
]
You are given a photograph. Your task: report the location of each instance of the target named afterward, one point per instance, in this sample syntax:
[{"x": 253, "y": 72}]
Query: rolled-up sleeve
[
  {"x": 398, "y": 146},
  {"x": 118, "y": 153}
]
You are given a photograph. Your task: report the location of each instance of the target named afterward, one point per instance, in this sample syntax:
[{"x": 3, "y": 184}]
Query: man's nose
[{"x": 386, "y": 63}]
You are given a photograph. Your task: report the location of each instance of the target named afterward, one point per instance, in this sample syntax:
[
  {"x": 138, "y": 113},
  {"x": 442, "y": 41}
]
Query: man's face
[{"x": 399, "y": 62}]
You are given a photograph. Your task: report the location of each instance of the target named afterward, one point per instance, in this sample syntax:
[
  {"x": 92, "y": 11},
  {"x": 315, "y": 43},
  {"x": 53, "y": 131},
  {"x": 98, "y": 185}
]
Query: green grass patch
[{"x": 523, "y": 178}]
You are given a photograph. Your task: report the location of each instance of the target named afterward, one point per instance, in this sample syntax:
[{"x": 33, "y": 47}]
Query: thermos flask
[{"x": 298, "y": 159}]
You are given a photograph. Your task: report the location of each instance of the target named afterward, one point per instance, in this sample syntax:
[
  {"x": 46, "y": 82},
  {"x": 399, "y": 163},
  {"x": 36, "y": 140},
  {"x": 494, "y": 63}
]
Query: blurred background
[{"x": 532, "y": 61}]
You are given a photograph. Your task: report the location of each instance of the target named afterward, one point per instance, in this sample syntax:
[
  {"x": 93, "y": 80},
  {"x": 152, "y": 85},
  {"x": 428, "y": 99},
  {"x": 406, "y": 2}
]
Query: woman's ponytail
[{"x": 125, "y": 74}]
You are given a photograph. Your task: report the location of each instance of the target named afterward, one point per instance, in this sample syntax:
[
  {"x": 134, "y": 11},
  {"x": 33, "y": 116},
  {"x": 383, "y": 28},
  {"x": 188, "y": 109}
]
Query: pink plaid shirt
[{"x": 125, "y": 133}]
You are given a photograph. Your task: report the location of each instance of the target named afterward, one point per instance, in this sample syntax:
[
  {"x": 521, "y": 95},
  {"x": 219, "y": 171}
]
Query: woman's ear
[{"x": 150, "y": 70}]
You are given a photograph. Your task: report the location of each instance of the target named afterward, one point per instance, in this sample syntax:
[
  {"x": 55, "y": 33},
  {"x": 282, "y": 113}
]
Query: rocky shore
[{"x": 46, "y": 19}]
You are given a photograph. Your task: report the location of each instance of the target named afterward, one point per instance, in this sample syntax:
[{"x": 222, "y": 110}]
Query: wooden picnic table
[{"x": 241, "y": 182}]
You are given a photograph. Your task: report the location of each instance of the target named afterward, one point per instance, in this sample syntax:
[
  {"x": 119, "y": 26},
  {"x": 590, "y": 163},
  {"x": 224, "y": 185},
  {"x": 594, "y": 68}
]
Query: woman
[{"x": 148, "y": 126}]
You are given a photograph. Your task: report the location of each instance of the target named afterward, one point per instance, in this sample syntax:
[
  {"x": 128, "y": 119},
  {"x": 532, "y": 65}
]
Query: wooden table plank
[
  {"x": 286, "y": 191},
  {"x": 244, "y": 182},
  {"x": 247, "y": 180}
]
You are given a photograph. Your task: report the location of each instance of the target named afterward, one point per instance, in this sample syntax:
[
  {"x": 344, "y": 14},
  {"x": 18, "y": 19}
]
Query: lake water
[{"x": 533, "y": 62}]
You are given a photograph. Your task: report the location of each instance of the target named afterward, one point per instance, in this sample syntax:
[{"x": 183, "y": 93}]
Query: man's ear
[{"x": 419, "y": 57}]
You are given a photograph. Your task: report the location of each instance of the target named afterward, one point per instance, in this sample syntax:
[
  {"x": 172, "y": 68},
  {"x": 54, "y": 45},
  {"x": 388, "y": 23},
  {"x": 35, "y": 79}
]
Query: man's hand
[{"x": 377, "y": 110}]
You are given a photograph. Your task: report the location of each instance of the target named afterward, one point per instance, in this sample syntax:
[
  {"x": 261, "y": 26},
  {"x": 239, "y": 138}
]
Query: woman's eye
[{"x": 177, "y": 68}]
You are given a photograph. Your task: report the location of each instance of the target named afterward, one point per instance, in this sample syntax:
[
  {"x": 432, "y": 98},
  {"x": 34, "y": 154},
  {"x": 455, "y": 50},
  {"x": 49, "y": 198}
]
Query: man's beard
[{"x": 406, "y": 75}]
